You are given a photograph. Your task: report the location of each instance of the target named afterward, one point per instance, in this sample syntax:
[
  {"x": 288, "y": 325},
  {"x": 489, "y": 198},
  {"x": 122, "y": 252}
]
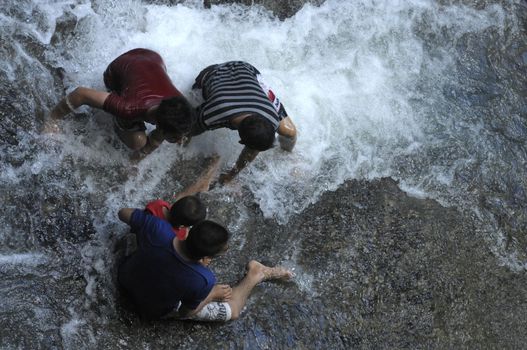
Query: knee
[
  {"x": 235, "y": 313},
  {"x": 138, "y": 141}
]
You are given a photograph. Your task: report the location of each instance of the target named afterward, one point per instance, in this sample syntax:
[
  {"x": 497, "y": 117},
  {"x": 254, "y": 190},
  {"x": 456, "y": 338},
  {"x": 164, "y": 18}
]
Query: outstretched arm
[
  {"x": 78, "y": 97},
  {"x": 247, "y": 156},
  {"x": 202, "y": 184},
  {"x": 287, "y": 134}
]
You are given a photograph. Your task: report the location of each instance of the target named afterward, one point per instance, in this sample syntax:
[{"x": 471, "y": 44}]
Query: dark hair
[
  {"x": 187, "y": 211},
  {"x": 256, "y": 132},
  {"x": 175, "y": 116},
  {"x": 206, "y": 238}
]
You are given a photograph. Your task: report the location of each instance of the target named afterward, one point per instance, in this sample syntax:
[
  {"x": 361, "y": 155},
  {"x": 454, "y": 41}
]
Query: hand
[
  {"x": 221, "y": 292},
  {"x": 203, "y": 183},
  {"x": 287, "y": 134},
  {"x": 225, "y": 178},
  {"x": 287, "y": 143},
  {"x": 185, "y": 140},
  {"x": 60, "y": 110},
  {"x": 50, "y": 126}
]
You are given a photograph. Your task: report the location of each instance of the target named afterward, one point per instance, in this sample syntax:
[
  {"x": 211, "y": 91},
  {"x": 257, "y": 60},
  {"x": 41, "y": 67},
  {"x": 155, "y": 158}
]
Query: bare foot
[
  {"x": 221, "y": 292},
  {"x": 266, "y": 273},
  {"x": 207, "y": 176}
]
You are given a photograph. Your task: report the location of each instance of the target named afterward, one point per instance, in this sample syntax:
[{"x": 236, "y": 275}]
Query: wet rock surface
[
  {"x": 385, "y": 270},
  {"x": 375, "y": 268},
  {"x": 409, "y": 272}
]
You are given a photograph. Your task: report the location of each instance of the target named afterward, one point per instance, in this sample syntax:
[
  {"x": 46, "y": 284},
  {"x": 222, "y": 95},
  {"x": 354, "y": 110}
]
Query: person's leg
[
  {"x": 134, "y": 140},
  {"x": 132, "y": 134},
  {"x": 256, "y": 273},
  {"x": 231, "y": 309}
]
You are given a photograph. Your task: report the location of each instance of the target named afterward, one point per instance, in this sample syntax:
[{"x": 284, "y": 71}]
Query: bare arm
[
  {"x": 202, "y": 184},
  {"x": 220, "y": 292},
  {"x": 287, "y": 134},
  {"x": 246, "y": 156},
  {"x": 78, "y": 97}
]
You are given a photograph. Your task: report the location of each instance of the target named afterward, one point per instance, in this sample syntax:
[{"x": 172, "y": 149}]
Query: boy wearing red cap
[
  {"x": 184, "y": 213},
  {"x": 168, "y": 278},
  {"x": 188, "y": 209}
]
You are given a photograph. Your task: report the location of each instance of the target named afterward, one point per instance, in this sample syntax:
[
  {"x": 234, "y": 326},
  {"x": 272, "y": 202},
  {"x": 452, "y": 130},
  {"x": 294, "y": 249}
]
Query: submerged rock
[{"x": 374, "y": 268}]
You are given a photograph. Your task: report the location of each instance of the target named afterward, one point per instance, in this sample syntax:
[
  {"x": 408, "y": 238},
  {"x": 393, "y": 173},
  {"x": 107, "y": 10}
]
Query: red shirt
[
  {"x": 156, "y": 208},
  {"x": 138, "y": 80}
]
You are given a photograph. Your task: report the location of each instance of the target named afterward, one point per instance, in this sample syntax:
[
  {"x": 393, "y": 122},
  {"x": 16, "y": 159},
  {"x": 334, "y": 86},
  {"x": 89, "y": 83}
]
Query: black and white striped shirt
[{"x": 231, "y": 89}]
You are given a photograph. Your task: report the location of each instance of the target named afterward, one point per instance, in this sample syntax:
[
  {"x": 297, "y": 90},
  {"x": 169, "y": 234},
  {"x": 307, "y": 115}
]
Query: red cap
[{"x": 181, "y": 232}]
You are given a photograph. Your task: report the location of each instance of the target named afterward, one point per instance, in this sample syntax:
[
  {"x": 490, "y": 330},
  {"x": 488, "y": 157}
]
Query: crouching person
[{"x": 168, "y": 277}]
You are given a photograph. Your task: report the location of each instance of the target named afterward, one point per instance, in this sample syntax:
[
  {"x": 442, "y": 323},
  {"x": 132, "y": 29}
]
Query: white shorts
[{"x": 213, "y": 311}]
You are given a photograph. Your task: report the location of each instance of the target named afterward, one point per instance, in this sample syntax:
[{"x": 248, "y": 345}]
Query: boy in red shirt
[
  {"x": 139, "y": 91},
  {"x": 188, "y": 209}
]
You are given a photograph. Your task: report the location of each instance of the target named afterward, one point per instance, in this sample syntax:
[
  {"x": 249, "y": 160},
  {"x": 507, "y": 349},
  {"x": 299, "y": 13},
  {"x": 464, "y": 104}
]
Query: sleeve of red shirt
[
  {"x": 156, "y": 208},
  {"x": 122, "y": 108},
  {"x": 114, "y": 103}
]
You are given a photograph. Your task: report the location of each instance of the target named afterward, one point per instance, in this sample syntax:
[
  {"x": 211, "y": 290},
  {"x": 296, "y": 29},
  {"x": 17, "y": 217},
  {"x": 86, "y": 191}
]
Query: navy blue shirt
[{"x": 156, "y": 277}]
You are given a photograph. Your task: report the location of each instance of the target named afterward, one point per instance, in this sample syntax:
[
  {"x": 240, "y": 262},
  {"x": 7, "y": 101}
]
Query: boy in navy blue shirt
[{"x": 169, "y": 277}]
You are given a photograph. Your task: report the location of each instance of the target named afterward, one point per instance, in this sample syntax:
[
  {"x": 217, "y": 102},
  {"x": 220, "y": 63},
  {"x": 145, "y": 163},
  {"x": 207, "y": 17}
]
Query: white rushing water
[{"x": 356, "y": 77}]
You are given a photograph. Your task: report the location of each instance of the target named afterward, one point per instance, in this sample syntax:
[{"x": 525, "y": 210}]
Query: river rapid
[{"x": 428, "y": 93}]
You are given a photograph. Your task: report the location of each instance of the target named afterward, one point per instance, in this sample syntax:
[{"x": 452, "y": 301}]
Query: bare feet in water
[{"x": 262, "y": 273}]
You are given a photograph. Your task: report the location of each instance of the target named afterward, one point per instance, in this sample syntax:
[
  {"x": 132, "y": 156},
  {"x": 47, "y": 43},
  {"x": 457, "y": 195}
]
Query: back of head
[
  {"x": 256, "y": 132},
  {"x": 187, "y": 211},
  {"x": 176, "y": 116},
  {"x": 206, "y": 238}
]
